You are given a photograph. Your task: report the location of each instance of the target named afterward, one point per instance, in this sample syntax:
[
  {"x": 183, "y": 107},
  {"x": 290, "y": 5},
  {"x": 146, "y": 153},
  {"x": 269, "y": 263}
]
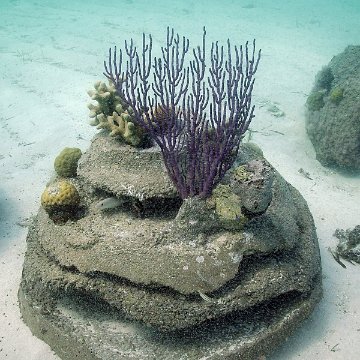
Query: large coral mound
[
  {"x": 240, "y": 269},
  {"x": 333, "y": 112}
]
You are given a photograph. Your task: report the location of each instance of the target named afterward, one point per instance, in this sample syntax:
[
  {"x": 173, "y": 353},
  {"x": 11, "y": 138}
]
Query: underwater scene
[{"x": 179, "y": 180}]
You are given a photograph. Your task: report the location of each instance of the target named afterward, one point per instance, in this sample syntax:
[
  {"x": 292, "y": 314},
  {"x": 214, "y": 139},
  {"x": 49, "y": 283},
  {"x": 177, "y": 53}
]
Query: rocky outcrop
[{"x": 213, "y": 267}]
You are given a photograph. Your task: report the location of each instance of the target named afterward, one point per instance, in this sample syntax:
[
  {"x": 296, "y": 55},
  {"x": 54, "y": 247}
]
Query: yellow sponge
[
  {"x": 66, "y": 162},
  {"x": 60, "y": 196}
]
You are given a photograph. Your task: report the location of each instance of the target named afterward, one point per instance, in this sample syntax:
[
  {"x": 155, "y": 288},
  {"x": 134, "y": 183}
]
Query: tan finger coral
[
  {"x": 107, "y": 101},
  {"x": 112, "y": 114}
]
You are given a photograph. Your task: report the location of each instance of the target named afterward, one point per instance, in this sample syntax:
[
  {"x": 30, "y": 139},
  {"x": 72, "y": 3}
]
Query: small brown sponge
[
  {"x": 228, "y": 208},
  {"x": 66, "y": 162},
  {"x": 112, "y": 114},
  {"x": 60, "y": 200}
]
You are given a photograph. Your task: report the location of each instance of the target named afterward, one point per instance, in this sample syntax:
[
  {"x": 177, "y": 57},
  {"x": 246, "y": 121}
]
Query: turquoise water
[{"x": 51, "y": 52}]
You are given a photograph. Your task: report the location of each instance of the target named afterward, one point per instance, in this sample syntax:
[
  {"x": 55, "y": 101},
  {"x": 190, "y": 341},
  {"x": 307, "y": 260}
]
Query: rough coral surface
[{"x": 66, "y": 162}]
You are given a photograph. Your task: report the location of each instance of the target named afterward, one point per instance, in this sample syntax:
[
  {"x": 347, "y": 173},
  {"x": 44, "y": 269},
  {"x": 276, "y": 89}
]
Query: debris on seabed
[{"x": 305, "y": 174}]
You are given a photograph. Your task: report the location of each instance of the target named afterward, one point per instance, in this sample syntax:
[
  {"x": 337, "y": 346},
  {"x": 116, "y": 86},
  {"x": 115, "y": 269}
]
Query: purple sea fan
[{"x": 207, "y": 106}]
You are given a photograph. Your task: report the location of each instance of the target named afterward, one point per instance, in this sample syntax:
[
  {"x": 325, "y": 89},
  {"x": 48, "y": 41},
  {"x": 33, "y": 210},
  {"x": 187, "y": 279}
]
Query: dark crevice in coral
[
  {"x": 111, "y": 279},
  {"x": 262, "y": 312},
  {"x": 246, "y": 264},
  {"x": 94, "y": 307},
  {"x": 154, "y": 208},
  {"x": 162, "y": 208}
]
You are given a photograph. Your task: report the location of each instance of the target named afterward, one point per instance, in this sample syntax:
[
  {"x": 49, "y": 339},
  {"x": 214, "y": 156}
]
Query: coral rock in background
[{"x": 333, "y": 112}]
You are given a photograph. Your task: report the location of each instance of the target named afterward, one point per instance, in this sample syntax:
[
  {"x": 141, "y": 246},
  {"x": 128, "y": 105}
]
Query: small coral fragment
[
  {"x": 66, "y": 162},
  {"x": 60, "y": 200},
  {"x": 348, "y": 247}
]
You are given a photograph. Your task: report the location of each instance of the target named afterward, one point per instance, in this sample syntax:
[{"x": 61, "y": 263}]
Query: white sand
[{"x": 51, "y": 54}]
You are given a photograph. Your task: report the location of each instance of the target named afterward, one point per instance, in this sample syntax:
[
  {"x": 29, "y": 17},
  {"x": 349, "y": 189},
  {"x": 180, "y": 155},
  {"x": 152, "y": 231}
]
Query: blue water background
[{"x": 51, "y": 52}]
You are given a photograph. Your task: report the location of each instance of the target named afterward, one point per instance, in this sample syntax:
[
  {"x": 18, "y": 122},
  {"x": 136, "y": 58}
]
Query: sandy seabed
[{"x": 50, "y": 54}]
